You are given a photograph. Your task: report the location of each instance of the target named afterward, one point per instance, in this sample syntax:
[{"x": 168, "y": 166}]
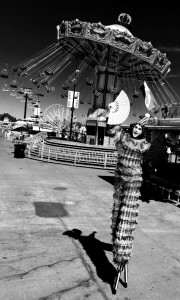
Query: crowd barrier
[
  {"x": 162, "y": 189},
  {"x": 156, "y": 186},
  {"x": 75, "y": 156}
]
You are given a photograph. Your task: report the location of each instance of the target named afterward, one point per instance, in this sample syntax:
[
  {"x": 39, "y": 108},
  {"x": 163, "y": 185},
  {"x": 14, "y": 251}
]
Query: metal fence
[{"x": 75, "y": 156}]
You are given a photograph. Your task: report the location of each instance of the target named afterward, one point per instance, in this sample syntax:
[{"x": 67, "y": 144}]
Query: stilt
[
  {"x": 116, "y": 282},
  {"x": 122, "y": 268},
  {"x": 126, "y": 273}
]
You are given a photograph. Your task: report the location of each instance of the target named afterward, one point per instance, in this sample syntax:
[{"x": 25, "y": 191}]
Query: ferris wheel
[{"x": 57, "y": 116}]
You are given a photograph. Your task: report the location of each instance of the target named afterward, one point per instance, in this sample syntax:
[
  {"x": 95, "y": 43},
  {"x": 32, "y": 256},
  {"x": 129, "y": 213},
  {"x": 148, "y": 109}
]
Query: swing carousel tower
[{"x": 121, "y": 62}]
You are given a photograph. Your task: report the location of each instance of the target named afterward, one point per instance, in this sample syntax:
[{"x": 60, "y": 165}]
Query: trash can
[{"x": 19, "y": 150}]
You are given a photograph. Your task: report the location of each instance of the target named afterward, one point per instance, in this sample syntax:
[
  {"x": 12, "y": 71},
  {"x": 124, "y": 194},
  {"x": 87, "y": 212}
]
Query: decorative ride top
[{"x": 114, "y": 47}]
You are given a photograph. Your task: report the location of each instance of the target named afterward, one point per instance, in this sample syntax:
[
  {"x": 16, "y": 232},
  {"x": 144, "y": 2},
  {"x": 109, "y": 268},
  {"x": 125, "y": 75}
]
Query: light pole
[
  {"x": 25, "y": 105},
  {"x": 38, "y": 109},
  {"x": 38, "y": 95},
  {"x": 72, "y": 108},
  {"x": 25, "y": 92},
  {"x": 72, "y": 112}
]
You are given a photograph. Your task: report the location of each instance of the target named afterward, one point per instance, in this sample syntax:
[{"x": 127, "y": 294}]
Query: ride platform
[{"x": 74, "y": 153}]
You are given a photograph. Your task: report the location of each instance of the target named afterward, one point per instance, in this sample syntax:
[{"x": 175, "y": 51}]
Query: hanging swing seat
[
  {"x": 5, "y": 89},
  {"x": 4, "y": 73},
  {"x": 48, "y": 71},
  {"x": 89, "y": 82},
  {"x": 21, "y": 91},
  {"x": 13, "y": 84}
]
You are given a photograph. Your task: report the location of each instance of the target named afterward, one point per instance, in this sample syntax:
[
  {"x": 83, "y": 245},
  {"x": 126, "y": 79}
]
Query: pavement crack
[
  {"x": 84, "y": 283},
  {"x": 21, "y": 258},
  {"x": 22, "y": 275},
  {"x": 86, "y": 265},
  {"x": 88, "y": 268}
]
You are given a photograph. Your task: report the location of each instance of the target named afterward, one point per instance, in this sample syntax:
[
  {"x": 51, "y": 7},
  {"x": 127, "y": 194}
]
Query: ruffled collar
[{"x": 135, "y": 144}]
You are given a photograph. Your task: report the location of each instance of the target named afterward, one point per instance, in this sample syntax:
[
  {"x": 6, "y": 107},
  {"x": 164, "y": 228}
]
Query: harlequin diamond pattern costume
[{"x": 128, "y": 180}]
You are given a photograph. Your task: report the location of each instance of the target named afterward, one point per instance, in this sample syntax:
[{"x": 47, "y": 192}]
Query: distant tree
[{"x": 6, "y": 115}]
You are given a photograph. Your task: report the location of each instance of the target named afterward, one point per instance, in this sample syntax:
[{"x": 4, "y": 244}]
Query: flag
[{"x": 150, "y": 101}]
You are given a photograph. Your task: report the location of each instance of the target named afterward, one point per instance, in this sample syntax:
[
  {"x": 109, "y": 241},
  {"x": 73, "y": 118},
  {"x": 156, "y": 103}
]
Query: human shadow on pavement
[
  {"x": 50, "y": 210},
  {"x": 95, "y": 249}
]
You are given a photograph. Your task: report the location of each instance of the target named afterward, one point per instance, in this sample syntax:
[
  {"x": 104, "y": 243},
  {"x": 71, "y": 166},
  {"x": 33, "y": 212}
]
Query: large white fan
[{"x": 119, "y": 109}]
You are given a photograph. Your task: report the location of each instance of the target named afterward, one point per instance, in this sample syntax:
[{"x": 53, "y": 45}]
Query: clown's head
[{"x": 137, "y": 131}]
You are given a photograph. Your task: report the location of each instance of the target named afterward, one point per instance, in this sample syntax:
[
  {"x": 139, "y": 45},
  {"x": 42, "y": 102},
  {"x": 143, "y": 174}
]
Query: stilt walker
[{"x": 128, "y": 179}]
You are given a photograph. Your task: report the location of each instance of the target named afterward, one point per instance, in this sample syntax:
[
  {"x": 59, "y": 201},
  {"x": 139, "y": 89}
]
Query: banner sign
[
  {"x": 70, "y": 99},
  {"x": 76, "y": 99},
  {"x": 73, "y": 96}
]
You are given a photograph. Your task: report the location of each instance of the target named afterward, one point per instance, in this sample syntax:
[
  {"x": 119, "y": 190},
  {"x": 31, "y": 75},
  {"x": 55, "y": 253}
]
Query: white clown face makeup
[{"x": 137, "y": 130}]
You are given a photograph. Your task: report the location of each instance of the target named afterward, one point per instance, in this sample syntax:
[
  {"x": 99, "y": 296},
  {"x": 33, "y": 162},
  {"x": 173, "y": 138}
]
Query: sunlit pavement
[{"x": 42, "y": 257}]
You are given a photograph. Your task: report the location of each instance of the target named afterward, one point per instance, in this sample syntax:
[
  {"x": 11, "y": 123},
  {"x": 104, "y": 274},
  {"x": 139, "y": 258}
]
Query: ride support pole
[{"x": 25, "y": 105}]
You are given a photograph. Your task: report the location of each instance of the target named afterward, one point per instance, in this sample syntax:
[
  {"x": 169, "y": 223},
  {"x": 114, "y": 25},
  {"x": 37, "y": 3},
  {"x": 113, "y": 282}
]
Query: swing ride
[
  {"x": 115, "y": 59},
  {"x": 11, "y": 87},
  {"x": 109, "y": 60}
]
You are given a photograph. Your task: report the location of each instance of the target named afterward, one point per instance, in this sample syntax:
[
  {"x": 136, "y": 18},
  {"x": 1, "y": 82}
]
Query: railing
[
  {"x": 162, "y": 189},
  {"x": 75, "y": 156},
  {"x": 156, "y": 186}
]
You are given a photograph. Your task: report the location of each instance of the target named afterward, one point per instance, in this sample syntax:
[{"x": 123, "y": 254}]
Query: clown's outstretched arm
[{"x": 115, "y": 132}]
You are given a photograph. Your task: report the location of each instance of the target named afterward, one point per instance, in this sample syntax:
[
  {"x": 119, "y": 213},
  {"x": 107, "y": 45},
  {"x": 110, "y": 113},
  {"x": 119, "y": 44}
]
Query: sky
[{"x": 29, "y": 26}]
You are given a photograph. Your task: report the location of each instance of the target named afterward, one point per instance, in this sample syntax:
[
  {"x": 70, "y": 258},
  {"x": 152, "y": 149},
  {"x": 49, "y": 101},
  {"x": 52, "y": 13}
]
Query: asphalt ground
[{"x": 55, "y": 237}]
